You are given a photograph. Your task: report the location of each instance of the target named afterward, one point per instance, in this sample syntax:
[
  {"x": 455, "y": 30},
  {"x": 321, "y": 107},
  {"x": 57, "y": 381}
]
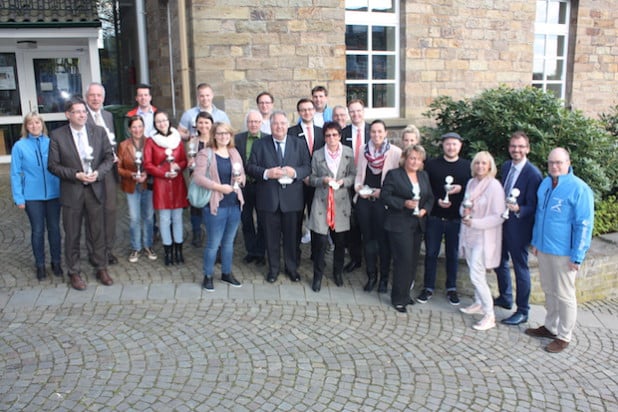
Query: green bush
[
  {"x": 610, "y": 121},
  {"x": 606, "y": 216},
  {"x": 487, "y": 121}
]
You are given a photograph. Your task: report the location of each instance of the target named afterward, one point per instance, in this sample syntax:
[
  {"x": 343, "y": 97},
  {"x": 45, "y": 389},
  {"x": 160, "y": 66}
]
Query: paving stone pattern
[{"x": 155, "y": 341}]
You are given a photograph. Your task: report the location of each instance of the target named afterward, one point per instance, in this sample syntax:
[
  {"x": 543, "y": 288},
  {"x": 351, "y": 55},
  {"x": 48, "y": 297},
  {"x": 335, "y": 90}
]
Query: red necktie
[
  {"x": 310, "y": 139},
  {"x": 330, "y": 208},
  {"x": 359, "y": 142}
]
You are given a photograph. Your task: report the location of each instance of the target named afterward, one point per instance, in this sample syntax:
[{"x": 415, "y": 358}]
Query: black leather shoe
[
  {"x": 352, "y": 266},
  {"x": 338, "y": 279},
  {"x": 57, "y": 269},
  {"x": 515, "y": 319},
  {"x": 401, "y": 308},
  {"x": 317, "y": 284},
  {"x": 41, "y": 273},
  {"x": 371, "y": 283},
  {"x": 383, "y": 285},
  {"x": 259, "y": 261},
  {"x": 501, "y": 302},
  {"x": 271, "y": 278},
  {"x": 248, "y": 259},
  {"x": 294, "y": 276},
  {"x": 111, "y": 259}
]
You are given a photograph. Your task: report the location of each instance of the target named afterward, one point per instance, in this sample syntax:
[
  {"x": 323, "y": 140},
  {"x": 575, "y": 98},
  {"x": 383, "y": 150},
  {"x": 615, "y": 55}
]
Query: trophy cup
[
  {"x": 88, "y": 158},
  {"x": 236, "y": 173},
  {"x": 467, "y": 205},
  {"x": 511, "y": 200},
  {"x": 138, "y": 164},
  {"x": 448, "y": 187},
  {"x": 192, "y": 152},
  {"x": 417, "y": 197},
  {"x": 169, "y": 156}
]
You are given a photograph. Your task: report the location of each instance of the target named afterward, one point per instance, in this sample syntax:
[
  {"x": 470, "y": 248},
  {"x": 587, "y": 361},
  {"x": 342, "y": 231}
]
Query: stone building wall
[{"x": 449, "y": 47}]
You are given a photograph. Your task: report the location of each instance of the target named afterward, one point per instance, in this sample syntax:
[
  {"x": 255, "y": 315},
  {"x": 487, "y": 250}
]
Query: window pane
[
  {"x": 9, "y": 86},
  {"x": 537, "y": 73},
  {"x": 539, "y": 45},
  {"x": 356, "y": 5},
  {"x": 541, "y": 11},
  {"x": 556, "y": 89},
  {"x": 383, "y": 6},
  {"x": 357, "y": 67},
  {"x": 383, "y": 95},
  {"x": 383, "y": 67},
  {"x": 57, "y": 80},
  {"x": 357, "y": 91},
  {"x": 356, "y": 37},
  {"x": 556, "y": 12},
  {"x": 383, "y": 38},
  {"x": 554, "y": 69}
]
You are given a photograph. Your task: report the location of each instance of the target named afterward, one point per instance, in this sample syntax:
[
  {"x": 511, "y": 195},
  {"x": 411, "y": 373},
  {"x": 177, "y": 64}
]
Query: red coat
[{"x": 166, "y": 193}]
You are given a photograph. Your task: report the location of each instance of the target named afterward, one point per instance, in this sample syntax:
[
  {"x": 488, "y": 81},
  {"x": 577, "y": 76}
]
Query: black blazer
[
  {"x": 396, "y": 189},
  {"x": 270, "y": 194},
  {"x": 108, "y": 118},
  {"x": 64, "y": 162},
  {"x": 318, "y": 136},
  {"x": 347, "y": 138}
]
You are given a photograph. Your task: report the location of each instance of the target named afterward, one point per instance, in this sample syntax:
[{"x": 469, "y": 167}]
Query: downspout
[
  {"x": 171, "y": 57},
  {"x": 142, "y": 45},
  {"x": 185, "y": 93}
]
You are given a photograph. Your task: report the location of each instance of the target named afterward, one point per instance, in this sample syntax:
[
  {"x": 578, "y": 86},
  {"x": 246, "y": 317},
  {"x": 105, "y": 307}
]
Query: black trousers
[
  {"x": 252, "y": 229},
  {"x": 371, "y": 215},
  {"x": 319, "y": 245},
  {"x": 278, "y": 225},
  {"x": 406, "y": 249}
]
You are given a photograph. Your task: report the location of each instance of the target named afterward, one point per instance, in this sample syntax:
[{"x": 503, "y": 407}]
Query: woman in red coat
[{"x": 164, "y": 160}]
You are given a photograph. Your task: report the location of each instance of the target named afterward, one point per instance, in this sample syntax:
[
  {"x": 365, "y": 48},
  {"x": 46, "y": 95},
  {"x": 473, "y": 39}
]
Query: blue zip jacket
[
  {"x": 564, "y": 217},
  {"x": 30, "y": 179}
]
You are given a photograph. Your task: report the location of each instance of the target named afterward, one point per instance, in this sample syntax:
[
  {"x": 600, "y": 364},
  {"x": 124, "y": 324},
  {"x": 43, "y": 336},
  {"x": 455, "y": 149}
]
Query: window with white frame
[
  {"x": 551, "y": 35},
  {"x": 372, "y": 55}
]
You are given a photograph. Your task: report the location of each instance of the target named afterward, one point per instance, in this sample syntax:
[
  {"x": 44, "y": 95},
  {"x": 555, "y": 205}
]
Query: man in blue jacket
[{"x": 560, "y": 239}]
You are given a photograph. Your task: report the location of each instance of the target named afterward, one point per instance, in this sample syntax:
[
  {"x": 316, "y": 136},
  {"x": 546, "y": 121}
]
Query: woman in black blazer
[{"x": 407, "y": 194}]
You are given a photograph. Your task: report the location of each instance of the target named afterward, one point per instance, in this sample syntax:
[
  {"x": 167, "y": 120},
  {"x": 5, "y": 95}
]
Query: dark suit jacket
[
  {"x": 318, "y": 136},
  {"x": 64, "y": 162},
  {"x": 240, "y": 141},
  {"x": 396, "y": 189},
  {"x": 347, "y": 138},
  {"x": 270, "y": 194},
  {"x": 108, "y": 118},
  {"x": 518, "y": 227}
]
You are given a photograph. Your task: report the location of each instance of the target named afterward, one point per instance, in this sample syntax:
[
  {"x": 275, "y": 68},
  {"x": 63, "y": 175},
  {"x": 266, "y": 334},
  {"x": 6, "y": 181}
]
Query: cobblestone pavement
[{"x": 155, "y": 341}]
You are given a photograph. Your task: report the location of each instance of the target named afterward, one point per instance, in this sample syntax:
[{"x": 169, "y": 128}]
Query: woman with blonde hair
[
  {"x": 37, "y": 191},
  {"x": 480, "y": 237},
  {"x": 410, "y": 136}
]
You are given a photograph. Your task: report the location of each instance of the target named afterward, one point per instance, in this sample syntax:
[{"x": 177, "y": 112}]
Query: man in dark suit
[
  {"x": 313, "y": 137},
  {"x": 279, "y": 202},
  {"x": 97, "y": 116},
  {"x": 517, "y": 173},
  {"x": 80, "y": 155},
  {"x": 355, "y": 135},
  {"x": 254, "y": 238}
]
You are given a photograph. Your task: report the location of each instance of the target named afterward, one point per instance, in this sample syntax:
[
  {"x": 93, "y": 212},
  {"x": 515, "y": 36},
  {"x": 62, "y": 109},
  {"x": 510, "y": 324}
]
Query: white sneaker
[
  {"x": 473, "y": 309},
  {"x": 487, "y": 322},
  {"x": 150, "y": 253},
  {"x": 306, "y": 238},
  {"x": 134, "y": 256}
]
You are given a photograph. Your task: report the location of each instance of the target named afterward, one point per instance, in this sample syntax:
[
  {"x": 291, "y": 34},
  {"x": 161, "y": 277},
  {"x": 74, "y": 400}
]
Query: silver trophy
[
  {"x": 417, "y": 196},
  {"x": 511, "y": 200},
  {"x": 192, "y": 153},
  {"x": 169, "y": 156},
  {"x": 236, "y": 167},
  {"x": 88, "y": 158},
  {"x": 448, "y": 187},
  {"x": 138, "y": 164},
  {"x": 467, "y": 205}
]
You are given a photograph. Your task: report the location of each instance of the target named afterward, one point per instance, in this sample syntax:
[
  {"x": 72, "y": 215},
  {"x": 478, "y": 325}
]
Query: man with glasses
[
  {"x": 517, "y": 173},
  {"x": 561, "y": 237}
]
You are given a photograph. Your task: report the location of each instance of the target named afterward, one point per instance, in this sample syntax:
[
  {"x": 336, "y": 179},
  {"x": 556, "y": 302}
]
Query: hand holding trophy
[
  {"x": 510, "y": 200},
  {"x": 448, "y": 187}
]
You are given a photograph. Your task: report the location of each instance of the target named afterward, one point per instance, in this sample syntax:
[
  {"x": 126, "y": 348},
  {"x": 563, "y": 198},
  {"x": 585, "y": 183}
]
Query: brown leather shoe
[
  {"x": 556, "y": 346},
  {"x": 77, "y": 282},
  {"x": 540, "y": 332},
  {"x": 104, "y": 277}
]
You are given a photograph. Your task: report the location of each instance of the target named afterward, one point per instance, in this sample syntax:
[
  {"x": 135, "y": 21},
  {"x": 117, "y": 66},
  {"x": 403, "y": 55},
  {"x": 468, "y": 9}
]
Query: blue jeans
[
  {"x": 141, "y": 215},
  {"x": 44, "y": 213},
  {"x": 221, "y": 229},
  {"x": 173, "y": 218},
  {"x": 436, "y": 228}
]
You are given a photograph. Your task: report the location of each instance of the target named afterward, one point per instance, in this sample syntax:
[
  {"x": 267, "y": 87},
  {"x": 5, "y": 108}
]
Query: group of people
[{"x": 347, "y": 184}]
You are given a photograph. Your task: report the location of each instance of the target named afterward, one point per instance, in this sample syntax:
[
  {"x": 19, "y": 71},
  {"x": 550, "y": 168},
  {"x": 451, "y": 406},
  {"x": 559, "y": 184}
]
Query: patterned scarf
[{"x": 375, "y": 159}]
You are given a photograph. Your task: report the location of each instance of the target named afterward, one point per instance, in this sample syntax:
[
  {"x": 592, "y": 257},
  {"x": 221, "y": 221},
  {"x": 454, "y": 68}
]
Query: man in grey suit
[
  {"x": 80, "y": 155},
  {"x": 95, "y": 96},
  {"x": 279, "y": 202}
]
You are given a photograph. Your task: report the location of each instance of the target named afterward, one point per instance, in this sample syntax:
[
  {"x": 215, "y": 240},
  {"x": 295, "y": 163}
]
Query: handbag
[{"x": 200, "y": 196}]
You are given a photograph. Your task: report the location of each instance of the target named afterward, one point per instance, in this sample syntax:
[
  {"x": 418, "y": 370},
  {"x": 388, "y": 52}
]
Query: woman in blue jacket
[{"x": 36, "y": 191}]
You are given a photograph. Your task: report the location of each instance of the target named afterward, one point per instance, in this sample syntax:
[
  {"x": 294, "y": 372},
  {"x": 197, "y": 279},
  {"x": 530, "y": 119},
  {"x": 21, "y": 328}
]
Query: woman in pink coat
[{"x": 480, "y": 238}]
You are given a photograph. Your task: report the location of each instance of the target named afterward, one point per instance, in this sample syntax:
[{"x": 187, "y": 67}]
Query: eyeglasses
[{"x": 555, "y": 162}]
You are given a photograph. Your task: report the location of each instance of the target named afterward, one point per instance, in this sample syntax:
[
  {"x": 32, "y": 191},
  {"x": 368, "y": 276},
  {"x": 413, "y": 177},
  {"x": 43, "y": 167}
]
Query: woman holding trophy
[
  {"x": 165, "y": 160},
  {"x": 139, "y": 195},
  {"x": 219, "y": 168},
  {"x": 203, "y": 124},
  {"x": 481, "y": 234}
]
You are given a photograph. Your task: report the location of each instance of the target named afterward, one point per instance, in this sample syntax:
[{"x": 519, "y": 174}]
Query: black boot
[
  {"x": 169, "y": 260},
  {"x": 338, "y": 279},
  {"x": 371, "y": 282},
  {"x": 41, "y": 273},
  {"x": 178, "y": 253},
  {"x": 317, "y": 283},
  {"x": 197, "y": 238},
  {"x": 383, "y": 285}
]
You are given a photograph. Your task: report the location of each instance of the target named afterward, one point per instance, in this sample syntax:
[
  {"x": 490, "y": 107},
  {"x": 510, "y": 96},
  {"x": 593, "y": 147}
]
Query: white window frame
[
  {"x": 553, "y": 29},
  {"x": 372, "y": 18}
]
